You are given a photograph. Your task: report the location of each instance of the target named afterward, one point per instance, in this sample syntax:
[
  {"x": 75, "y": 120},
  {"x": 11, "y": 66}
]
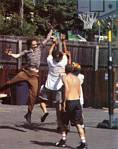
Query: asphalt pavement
[{"x": 16, "y": 134}]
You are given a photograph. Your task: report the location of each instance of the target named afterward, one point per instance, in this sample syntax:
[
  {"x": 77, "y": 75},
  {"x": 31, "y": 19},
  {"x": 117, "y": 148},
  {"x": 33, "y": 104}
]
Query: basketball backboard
[
  {"x": 85, "y": 6},
  {"x": 90, "y": 10},
  {"x": 102, "y": 6},
  {"x": 97, "y": 5},
  {"x": 111, "y": 6}
]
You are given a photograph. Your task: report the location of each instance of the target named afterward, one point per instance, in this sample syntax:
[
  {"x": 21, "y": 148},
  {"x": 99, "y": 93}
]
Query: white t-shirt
[
  {"x": 81, "y": 78},
  {"x": 54, "y": 81}
]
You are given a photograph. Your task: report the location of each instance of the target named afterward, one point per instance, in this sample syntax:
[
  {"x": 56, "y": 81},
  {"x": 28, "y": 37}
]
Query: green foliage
[
  {"x": 12, "y": 26},
  {"x": 59, "y": 13},
  {"x": 9, "y": 25},
  {"x": 28, "y": 29},
  {"x": 62, "y": 14}
]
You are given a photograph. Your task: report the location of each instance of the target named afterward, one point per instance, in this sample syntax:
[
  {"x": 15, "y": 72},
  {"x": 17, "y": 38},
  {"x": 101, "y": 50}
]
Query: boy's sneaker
[
  {"x": 28, "y": 118},
  {"x": 44, "y": 117},
  {"x": 61, "y": 143},
  {"x": 82, "y": 146}
]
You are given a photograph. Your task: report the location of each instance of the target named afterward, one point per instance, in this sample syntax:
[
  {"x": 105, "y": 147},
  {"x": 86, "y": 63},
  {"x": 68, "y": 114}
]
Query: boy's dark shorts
[{"x": 73, "y": 113}]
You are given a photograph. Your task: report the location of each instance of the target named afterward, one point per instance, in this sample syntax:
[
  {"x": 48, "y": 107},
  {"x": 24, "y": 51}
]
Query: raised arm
[
  {"x": 52, "y": 48},
  {"x": 67, "y": 52},
  {"x": 48, "y": 37}
]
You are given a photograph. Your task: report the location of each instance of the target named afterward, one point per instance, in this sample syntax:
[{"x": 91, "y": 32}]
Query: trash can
[{"x": 22, "y": 93}]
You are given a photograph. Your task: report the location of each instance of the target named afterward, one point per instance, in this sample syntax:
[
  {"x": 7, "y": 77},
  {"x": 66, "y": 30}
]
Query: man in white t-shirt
[
  {"x": 57, "y": 60},
  {"x": 56, "y": 63}
]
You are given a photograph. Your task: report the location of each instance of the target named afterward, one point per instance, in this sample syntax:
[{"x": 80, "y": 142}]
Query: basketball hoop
[{"x": 89, "y": 18}]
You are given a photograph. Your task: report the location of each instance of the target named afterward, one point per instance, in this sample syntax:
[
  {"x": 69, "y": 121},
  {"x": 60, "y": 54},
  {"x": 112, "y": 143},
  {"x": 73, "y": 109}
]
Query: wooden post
[
  {"x": 22, "y": 12},
  {"x": 19, "y": 50}
]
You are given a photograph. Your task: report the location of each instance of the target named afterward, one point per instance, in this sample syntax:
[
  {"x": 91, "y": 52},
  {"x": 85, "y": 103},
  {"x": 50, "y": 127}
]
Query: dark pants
[{"x": 32, "y": 78}]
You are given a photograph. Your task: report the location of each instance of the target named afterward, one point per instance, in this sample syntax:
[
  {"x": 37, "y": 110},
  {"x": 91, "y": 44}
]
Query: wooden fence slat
[{"x": 95, "y": 85}]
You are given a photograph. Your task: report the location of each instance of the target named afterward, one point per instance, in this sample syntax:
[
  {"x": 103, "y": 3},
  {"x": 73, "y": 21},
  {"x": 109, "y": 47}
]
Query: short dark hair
[
  {"x": 76, "y": 71},
  {"x": 57, "y": 55},
  {"x": 29, "y": 42},
  {"x": 68, "y": 68}
]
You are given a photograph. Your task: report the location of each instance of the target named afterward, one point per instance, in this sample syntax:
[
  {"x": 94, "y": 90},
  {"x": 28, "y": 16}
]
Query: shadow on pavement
[
  {"x": 10, "y": 127},
  {"x": 36, "y": 126},
  {"x": 48, "y": 144}
]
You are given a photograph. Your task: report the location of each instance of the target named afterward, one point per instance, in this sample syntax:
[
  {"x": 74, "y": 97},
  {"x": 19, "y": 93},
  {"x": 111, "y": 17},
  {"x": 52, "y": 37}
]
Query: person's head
[
  {"x": 76, "y": 68},
  {"x": 57, "y": 55},
  {"x": 68, "y": 68},
  {"x": 32, "y": 43}
]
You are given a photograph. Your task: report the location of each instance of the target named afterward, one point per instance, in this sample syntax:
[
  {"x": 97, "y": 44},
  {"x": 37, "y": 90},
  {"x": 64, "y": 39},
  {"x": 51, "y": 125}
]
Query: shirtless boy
[{"x": 71, "y": 108}]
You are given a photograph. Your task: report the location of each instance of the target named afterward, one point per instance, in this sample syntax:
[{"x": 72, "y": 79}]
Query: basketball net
[{"x": 88, "y": 18}]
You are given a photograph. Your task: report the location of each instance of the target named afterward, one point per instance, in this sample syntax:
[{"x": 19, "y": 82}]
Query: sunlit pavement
[{"x": 16, "y": 134}]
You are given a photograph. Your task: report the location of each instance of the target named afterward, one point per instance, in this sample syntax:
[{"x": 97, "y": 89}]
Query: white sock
[
  {"x": 83, "y": 140},
  {"x": 83, "y": 126},
  {"x": 64, "y": 136}
]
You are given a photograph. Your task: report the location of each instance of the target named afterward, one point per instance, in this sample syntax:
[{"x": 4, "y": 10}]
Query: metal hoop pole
[{"x": 110, "y": 76}]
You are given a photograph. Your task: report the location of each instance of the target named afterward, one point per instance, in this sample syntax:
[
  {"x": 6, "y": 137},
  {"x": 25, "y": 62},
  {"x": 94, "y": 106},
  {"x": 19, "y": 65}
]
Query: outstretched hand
[
  {"x": 55, "y": 40},
  {"x": 63, "y": 108},
  {"x": 52, "y": 26},
  {"x": 8, "y": 51}
]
